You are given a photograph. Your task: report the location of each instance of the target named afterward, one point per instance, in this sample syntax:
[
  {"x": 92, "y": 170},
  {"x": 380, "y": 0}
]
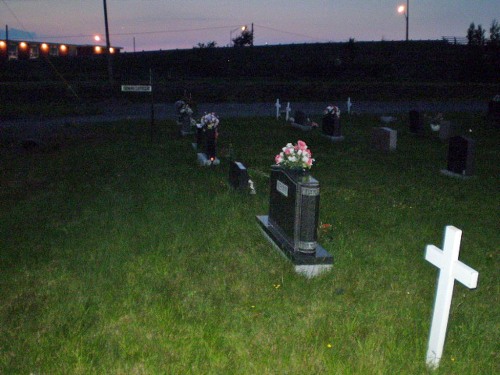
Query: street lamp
[
  {"x": 406, "y": 12},
  {"x": 242, "y": 28}
]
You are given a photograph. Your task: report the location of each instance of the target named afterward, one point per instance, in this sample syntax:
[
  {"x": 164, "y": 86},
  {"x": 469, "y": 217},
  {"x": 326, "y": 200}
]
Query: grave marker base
[
  {"x": 309, "y": 265},
  {"x": 204, "y": 161},
  {"x": 448, "y": 173},
  {"x": 334, "y": 138},
  {"x": 304, "y": 128}
]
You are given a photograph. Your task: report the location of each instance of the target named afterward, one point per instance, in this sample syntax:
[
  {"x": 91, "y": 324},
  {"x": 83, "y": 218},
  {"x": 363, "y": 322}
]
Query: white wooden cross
[
  {"x": 278, "y": 106},
  {"x": 288, "y": 110},
  {"x": 349, "y": 105},
  {"x": 450, "y": 269}
]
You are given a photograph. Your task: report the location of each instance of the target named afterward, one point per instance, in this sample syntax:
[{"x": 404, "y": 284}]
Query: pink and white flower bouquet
[
  {"x": 296, "y": 156},
  {"x": 332, "y": 110}
]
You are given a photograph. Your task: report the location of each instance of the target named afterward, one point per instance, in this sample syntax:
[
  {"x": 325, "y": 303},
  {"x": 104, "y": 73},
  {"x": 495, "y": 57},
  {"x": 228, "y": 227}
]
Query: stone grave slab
[
  {"x": 461, "y": 153},
  {"x": 293, "y": 220},
  {"x": 416, "y": 122},
  {"x": 447, "y": 130},
  {"x": 204, "y": 161},
  {"x": 238, "y": 176},
  {"x": 384, "y": 139}
]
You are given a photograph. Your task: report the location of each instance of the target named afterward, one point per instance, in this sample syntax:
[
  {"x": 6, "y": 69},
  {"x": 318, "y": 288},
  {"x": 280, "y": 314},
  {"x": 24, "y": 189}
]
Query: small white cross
[
  {"x": 349, "y": 105},
  {"x": 288, "y": 110},
  {"x": 450, "y": 268},
  {"x": 278, "y": 106}
]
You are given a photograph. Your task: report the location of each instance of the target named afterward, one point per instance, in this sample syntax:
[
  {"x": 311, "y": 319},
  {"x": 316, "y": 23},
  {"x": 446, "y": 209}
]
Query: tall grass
[{"x": 121, "y": 255}]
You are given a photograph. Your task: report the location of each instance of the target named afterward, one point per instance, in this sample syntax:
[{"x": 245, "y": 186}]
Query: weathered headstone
[
  {"x": 184, "y": 117},
  {"x": 384, "y": 139},
  {"x": 450, "y": 268},
  {"x": 446, "y": 130},
  {"x": 238, "y": 175},
  {"x": 292, "y": 222},
  {"x": 461, "y": 152},
  {"x": 416, "y": 122},
  {"x": 300, "y": 118}
]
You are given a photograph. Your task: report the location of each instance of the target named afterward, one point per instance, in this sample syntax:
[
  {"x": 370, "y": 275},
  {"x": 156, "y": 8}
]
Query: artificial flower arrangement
[
  {"x": 186, "y": 109},
  {"x": 332, "y": 110},
  {"x": 209, "y": 121},
  {"x": 296, "y": 156}
]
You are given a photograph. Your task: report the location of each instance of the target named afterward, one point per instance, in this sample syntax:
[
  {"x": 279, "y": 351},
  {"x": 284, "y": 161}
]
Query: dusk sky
[{"x": 162, "y": 24}]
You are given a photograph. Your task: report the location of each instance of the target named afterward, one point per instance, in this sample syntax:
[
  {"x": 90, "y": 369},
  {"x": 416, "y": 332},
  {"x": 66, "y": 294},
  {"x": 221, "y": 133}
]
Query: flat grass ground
[{"x": 120, "y": 255}]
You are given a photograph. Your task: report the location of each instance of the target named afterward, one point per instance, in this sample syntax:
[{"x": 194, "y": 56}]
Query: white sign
[
  {"x": 450, "y": 268},
  {"x": 137, "y": 88},
  {"x": 282, "y": 188}
]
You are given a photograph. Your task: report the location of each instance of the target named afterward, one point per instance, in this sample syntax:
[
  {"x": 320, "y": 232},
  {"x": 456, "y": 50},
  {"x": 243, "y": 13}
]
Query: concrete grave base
[
  {"x": 184, "y": 133},
  {"x": 305, "y": 128},
  {"x": 309, "y": 265},
  {"x": 448, "y": 173},
  {"x": 332, "y": 138},
  {"x": 204, "y": 161}
]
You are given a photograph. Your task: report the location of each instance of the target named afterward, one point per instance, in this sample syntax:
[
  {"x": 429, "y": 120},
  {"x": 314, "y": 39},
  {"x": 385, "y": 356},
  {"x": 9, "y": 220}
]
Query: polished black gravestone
[
  {"x": 461, "y": 152},
  {"x": 238, "y": 175},
  {"x": 300, "y": 118},
  {"x": 384, "y": 139},
  {"x": 330, "y": 126},
  {"x": 292, "y": 222},
  {"x": 209, "y": 157},
  {"x": 416, "y": 122}
]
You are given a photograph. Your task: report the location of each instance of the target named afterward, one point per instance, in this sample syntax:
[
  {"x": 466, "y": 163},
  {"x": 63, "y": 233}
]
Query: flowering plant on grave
[
  {"x": 186, "y": 109},
  {"x": 296, "y": 156},
  {"x": 332, "y": 110},
  {"x": 210, "y": 121}
]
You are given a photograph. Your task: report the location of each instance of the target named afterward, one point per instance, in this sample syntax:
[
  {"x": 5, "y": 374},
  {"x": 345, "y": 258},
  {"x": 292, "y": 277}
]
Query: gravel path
[{"x": 36, "y": 128}]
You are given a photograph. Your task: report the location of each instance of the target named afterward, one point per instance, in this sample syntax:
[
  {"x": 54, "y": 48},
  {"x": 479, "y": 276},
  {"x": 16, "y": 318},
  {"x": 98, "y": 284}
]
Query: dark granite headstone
[
  {"x": 416, "y": 122},
  {"x": 294, "y": 207},
  {"x": 446, "y": 130},
  {"x": 384, "y": 139},
  {"x": 292, "y": 222},
  {"x": 331, "y": 126},
  {"x": 238, "y": 175},
  {"x": 210, "y": 143},
  {"x": 461, "y": 156},
  {"x": 199, "y": 137},
  {"x": 300, "y": 118}
]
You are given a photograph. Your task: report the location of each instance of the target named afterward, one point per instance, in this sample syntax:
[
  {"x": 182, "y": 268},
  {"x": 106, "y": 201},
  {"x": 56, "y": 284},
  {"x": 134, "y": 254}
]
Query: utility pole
[
  {"x": 108, "y": 45},
  {"x": 252, "y": 35}
]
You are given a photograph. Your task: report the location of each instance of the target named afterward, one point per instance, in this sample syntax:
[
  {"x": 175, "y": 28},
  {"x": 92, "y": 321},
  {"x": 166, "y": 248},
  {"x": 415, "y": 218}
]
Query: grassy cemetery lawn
[{"x": 122, "y": 255}]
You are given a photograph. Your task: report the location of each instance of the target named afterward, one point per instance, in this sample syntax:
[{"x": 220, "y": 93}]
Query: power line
[
  {"x": 141, "y": 32},
  {"x": 289, "y": 32}
]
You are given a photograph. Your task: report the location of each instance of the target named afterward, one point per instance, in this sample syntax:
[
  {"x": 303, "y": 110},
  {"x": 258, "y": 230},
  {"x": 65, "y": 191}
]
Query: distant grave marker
[
  {"x": 330, "y": 124},
  {"x": 416, "y": 122},
  {"x": 461, "y": 152},
  {"x": 384, "y": 139}
]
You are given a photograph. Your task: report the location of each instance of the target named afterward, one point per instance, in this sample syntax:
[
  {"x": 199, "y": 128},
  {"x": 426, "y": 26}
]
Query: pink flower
[
  {"x": 278, "y": 159},
  {"x": 288, "y": 151},
  {"x": 301, "y": 145}
]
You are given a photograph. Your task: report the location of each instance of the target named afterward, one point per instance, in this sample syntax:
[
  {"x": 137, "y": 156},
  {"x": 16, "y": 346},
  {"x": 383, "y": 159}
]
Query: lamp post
[
  {"x": 242, "y": 28},
  {"x": 406, "y": 12}
]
